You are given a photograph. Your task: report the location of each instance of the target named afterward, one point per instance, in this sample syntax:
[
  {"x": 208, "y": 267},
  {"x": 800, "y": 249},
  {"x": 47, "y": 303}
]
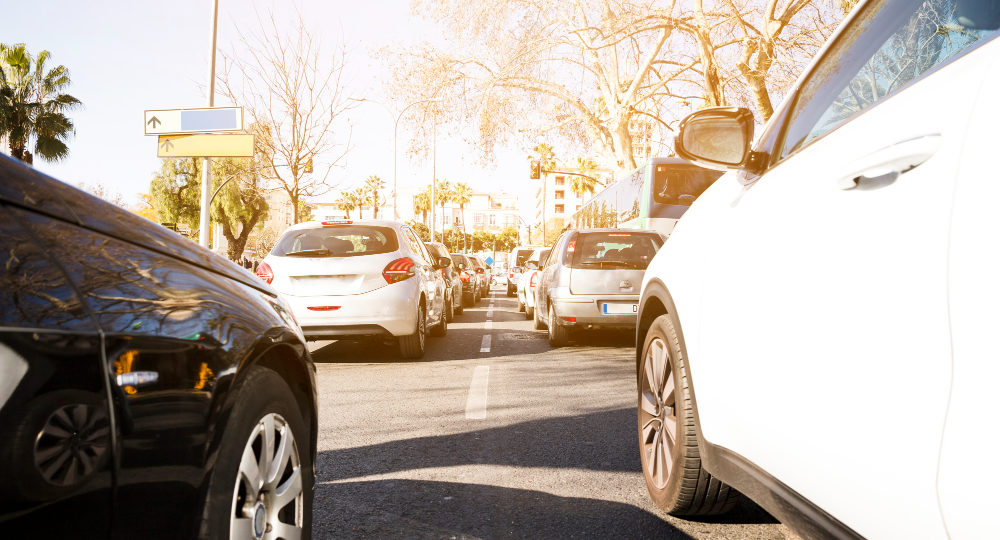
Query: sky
[{"x": 127, "y": 56}]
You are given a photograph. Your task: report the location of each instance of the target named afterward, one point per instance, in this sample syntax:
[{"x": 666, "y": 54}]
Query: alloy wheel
[
  {"x": 268, "y": 501},
  {"x": 657, "y": 413}
]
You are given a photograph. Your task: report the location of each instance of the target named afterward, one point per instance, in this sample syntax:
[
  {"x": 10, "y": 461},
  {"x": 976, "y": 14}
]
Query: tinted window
[
  {"x": 681, "y": 185},
  {"x": 337, "y": 241},
  {"x": 609, "y": 250},
  {"x": 889, "y": 44},
  {"x": 459, "y": 261},
  {"x": 522, "y": 255}
]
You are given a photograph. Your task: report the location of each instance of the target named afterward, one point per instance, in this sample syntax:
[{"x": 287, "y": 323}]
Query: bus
[{"x": 653, "y": 197}]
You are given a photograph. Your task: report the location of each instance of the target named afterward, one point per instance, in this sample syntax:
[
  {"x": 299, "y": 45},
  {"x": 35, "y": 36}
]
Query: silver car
[
  {"x": 352, "y": 279},
  {"x": 591, "y": 279}
]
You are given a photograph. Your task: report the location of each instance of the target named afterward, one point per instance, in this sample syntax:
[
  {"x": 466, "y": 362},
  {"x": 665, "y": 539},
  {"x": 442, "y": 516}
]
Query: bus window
[{"x": 681, "y": 185}]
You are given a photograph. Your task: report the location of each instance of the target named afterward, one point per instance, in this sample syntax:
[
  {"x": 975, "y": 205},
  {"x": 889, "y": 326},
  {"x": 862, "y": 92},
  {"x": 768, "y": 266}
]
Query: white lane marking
[
  {"x": 475, "y": 405},
  {"x": 489, "y": 312},
  {"x": 488, "y": 325},
  {"x": 487, "y": 341}
]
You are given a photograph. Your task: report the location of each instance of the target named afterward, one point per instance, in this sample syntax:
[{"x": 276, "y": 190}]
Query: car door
[
  {"x": 431, "y": 280},
  {"x": 56, "y": 424},
  {"x": 547, "y": 274},
  {"x": 823, "y": 355}
]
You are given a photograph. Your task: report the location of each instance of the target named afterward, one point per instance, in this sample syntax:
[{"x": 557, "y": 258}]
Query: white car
[
  {"x": 529, "y": 281},
  {"x": 819, "y": 332},
  {"x": 515, "y": 266},
  {"x": 352, "y": 279}
]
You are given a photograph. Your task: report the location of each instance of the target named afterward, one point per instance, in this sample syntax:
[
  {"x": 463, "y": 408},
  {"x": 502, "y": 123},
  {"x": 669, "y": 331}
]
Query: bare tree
[{"x": 291, "y": 87}]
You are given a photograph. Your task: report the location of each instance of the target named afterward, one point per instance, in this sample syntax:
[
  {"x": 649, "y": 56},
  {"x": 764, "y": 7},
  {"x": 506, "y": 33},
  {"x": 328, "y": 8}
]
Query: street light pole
[
  {"x": 434, "y": 147},
  {"x": 206, "y": 163}
]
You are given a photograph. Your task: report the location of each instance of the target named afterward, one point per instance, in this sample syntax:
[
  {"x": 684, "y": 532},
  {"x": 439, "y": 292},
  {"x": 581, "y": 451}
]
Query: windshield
[
  {"x": 521, "y": 255},
  {"x": 615, "y": 250},
  {"x": 681, "y": 184},
  {"x": 336, "y": 241}
]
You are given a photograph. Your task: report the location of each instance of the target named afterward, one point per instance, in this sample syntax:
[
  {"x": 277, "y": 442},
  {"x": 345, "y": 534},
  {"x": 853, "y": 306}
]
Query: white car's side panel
[
  {"x": 824, "y": 322},
  {"x": 969, "y": 467}
]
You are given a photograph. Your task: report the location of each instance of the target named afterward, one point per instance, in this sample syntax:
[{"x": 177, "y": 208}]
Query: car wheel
[
  {"x": 458, "y": 306},
  {"x": 558, "y": 334},
  {"x": 412, "y": 346},
  {"x": 475, "y": 296},
  {"x": 449, "y": 310},
  {"x": 529, "y": 312},
  {"x": 668, "y": 444},
  {"x": 520, "y": 304},
  {"x": 262, "y": 482},
  {"x": 510, "y": 291},
  {"x": 539, "y": 325},
  {"x": 441, "y": 329}
]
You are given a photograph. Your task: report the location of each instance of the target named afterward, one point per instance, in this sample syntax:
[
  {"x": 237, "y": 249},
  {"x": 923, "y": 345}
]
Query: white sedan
[
  {"x": 819, "y": 332},
  {"x": 528, "y": 283}
]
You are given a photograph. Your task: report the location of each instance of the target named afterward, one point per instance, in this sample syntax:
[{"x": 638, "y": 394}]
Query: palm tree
[
  {"x": 584, "y": 184},
  {"x": 422, "y": 204},
  {"x": 546, "y": 155},
  {"x": 360, "y": 198},
  {"x": 462, "y": 195},
  {"x": 372, "y": 186},
  {"x": 444, "y": 195},
  {"x": 32, "y": 105},
  {"x": 347, "y": 203}
]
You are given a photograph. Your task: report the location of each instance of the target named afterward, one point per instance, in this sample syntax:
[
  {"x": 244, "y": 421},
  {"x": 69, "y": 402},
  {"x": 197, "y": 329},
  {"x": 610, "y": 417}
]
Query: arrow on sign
[
  {"x": 167, "y": 145},
  {"x": 154, "y": 121}
]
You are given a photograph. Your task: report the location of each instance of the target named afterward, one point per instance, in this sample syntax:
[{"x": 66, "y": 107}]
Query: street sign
[
  {"x": 162, "y": 122},
  {"x": 489, "y": 261},
  {"x": 205, "y": 145}
]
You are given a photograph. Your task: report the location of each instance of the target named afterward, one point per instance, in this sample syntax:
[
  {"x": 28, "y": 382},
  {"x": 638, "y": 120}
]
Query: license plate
[{"x": 619, "y": 308}]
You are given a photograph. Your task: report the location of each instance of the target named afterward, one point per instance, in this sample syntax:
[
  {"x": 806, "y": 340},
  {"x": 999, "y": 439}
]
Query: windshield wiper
[{"x": 309, "y": 253}]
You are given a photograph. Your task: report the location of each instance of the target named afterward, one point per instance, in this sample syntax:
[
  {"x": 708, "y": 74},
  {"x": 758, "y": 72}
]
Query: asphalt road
[{"x": 522, "y": 441}]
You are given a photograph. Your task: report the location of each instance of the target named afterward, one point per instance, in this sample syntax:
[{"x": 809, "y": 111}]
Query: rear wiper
[
  {"x": 309, "y": 253},
  {"x": 622, "y": 264}
]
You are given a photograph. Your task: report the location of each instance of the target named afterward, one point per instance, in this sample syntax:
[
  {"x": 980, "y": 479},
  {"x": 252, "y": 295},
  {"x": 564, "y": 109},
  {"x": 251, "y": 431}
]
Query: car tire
[
  {"x": 520, "y": 304},
  {"x": 539, "y": 325},
  {"x": 668, "y": 442},
  {"x": 413, "y": 345},
  {"x": 510, "y": 291},
  {"x": 449, "y": 310},
  {"x": 529, "y": 312},
  {"x": 475, "y": 296},
  {"x": 558, "y": 334},
  {"x": 264, "y": 409},
  {"x": 459, "y": 306},
  {"x": 441, "y": 329}
]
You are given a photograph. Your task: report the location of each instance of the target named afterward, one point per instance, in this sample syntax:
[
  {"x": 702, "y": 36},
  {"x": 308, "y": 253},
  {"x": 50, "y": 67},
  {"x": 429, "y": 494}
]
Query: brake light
[
  {"x": 398, "y": 270},
  {"x": 464, "y": 276},
  {"x": 534, "y": 276},
  {"x": 568, "y": 319},
  {"x": 571, "y": 246},
  {"x": 338, "y": 222},
  {"x": 511, "y": 276},
  {"x": 265, "y": 273},
  {"x": 323, "y": 308}
]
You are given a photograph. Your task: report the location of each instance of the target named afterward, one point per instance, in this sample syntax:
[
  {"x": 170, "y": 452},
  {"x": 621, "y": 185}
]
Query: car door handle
[{"x": 883, "y": 166}]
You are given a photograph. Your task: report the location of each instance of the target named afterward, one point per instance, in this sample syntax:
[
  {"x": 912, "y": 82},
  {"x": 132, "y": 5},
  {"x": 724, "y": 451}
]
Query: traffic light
[{"x": 536, "y": 170}]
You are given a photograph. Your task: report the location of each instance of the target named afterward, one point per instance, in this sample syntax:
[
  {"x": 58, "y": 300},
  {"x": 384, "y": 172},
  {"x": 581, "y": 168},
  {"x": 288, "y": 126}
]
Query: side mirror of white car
[{"x": 717, "y": 137}]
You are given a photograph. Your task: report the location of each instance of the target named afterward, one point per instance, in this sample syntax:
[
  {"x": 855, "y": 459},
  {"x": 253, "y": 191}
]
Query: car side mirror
[
  {"x": 717, "y": 137},
  {"x": 443, "y": 262},
  {"x": 480, "y": 271}
]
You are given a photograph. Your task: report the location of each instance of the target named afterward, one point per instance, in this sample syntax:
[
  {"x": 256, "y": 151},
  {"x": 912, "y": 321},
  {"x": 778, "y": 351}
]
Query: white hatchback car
[
  {"x": 529, "y": 282},
  {"x": 360, "y": 278},
  {"x": 819, "y": 332}
]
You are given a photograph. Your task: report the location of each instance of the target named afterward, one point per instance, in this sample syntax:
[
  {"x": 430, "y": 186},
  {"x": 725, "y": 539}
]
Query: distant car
[
  {"x": 362, "y": 278},
  {"x": 529, "y": 282},
  {"x": 471, "y": 286},
  {"x": 485, "y": 273},
  {"x": 143, "y": 379},
  {"x": 515, "y": 265},
  {"x": 451, "y": 277},
  {"x": 591, "y": 279},
  {"x": 820, "y": 331}
]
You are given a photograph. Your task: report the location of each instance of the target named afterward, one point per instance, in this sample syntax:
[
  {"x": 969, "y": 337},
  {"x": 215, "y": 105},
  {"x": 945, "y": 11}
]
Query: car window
[
  {"x": 416, "y": 246},
  {"x": 336, "y": 241},
  {"x": 610, "y": 250},
  {"x": 889, "y": 44},
  {"x": 459, "y": 261}
]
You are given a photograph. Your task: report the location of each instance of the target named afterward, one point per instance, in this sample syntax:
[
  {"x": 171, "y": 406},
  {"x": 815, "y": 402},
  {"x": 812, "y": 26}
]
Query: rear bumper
[
  {"x": 588, "y": 309},
  {"x": 388, "y": 311}
]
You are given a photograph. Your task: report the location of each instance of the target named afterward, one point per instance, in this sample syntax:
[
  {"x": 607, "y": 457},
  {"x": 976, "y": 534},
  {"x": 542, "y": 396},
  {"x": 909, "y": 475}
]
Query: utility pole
[
  {"x": 206, "y": 163},
  {"x": 434, "y": 178}
]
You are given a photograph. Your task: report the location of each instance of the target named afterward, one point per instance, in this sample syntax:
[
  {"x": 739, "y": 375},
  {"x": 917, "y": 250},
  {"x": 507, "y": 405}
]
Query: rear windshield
[
  {"x": 610, "y": 250},
  {"x": 459, "y": 261},
  {"x": 680, "y": 185},
  {"x": 522, "y": 255},
  {"x": 337, "y": 241}
]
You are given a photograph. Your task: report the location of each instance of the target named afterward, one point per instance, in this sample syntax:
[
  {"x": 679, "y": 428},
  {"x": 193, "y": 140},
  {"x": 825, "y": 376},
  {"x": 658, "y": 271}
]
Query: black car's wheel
[
  {"x": 412, "y": 346},
  {"x": 441, "y": 329},
  {"x": 668, "y": 443},
  {"x": 539, "y": 325},
  {"x": 262, "y": 483},
  {"x": 558, "y": 334},
  {"x": 458, "y": 305}
]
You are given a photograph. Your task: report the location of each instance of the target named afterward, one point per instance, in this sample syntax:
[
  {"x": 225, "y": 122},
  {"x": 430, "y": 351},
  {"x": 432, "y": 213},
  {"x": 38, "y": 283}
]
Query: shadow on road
[{"x": 426, "y": 509}]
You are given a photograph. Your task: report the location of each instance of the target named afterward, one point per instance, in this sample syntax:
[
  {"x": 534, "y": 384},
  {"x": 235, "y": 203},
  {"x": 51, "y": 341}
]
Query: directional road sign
[
  {"x": 168, "y": 121},
  {"x": 205, "y": 145}
]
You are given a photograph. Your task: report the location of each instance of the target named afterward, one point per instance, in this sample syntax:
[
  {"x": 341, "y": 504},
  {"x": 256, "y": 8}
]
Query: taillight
[
  {"x": 337, "y": 222},
  {"x": 571, "y": 246},
  {"x": 264, "y": 272},
  {"x": 398, "y": 270},
  {"x": 323, "y": 308},
  {"x": 511, "y": 276},
  {"x": 534, "y": 277},
  {"x": 464, "y": 276}
]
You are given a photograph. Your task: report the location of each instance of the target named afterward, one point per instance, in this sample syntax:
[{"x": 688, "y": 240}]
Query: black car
[
  {"x": 470, "y": 279},
  {"x": 148, "y": 388},
  {"x": 451, "y": 278}
]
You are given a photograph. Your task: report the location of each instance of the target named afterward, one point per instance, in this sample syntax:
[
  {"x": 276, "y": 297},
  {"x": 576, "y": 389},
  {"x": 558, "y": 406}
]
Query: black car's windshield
[{"x": 337, "y": 241}]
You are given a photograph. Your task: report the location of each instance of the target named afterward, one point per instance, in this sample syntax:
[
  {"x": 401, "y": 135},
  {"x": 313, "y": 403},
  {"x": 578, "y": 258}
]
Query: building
[
  {"x": 555, "y": 202},
  {"x": 487, "y": 212}
]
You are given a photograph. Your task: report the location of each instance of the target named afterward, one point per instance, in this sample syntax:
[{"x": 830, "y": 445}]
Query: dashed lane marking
[
  {"x": 487, "y": 341},
  {"x": 475, "y": 405}
]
